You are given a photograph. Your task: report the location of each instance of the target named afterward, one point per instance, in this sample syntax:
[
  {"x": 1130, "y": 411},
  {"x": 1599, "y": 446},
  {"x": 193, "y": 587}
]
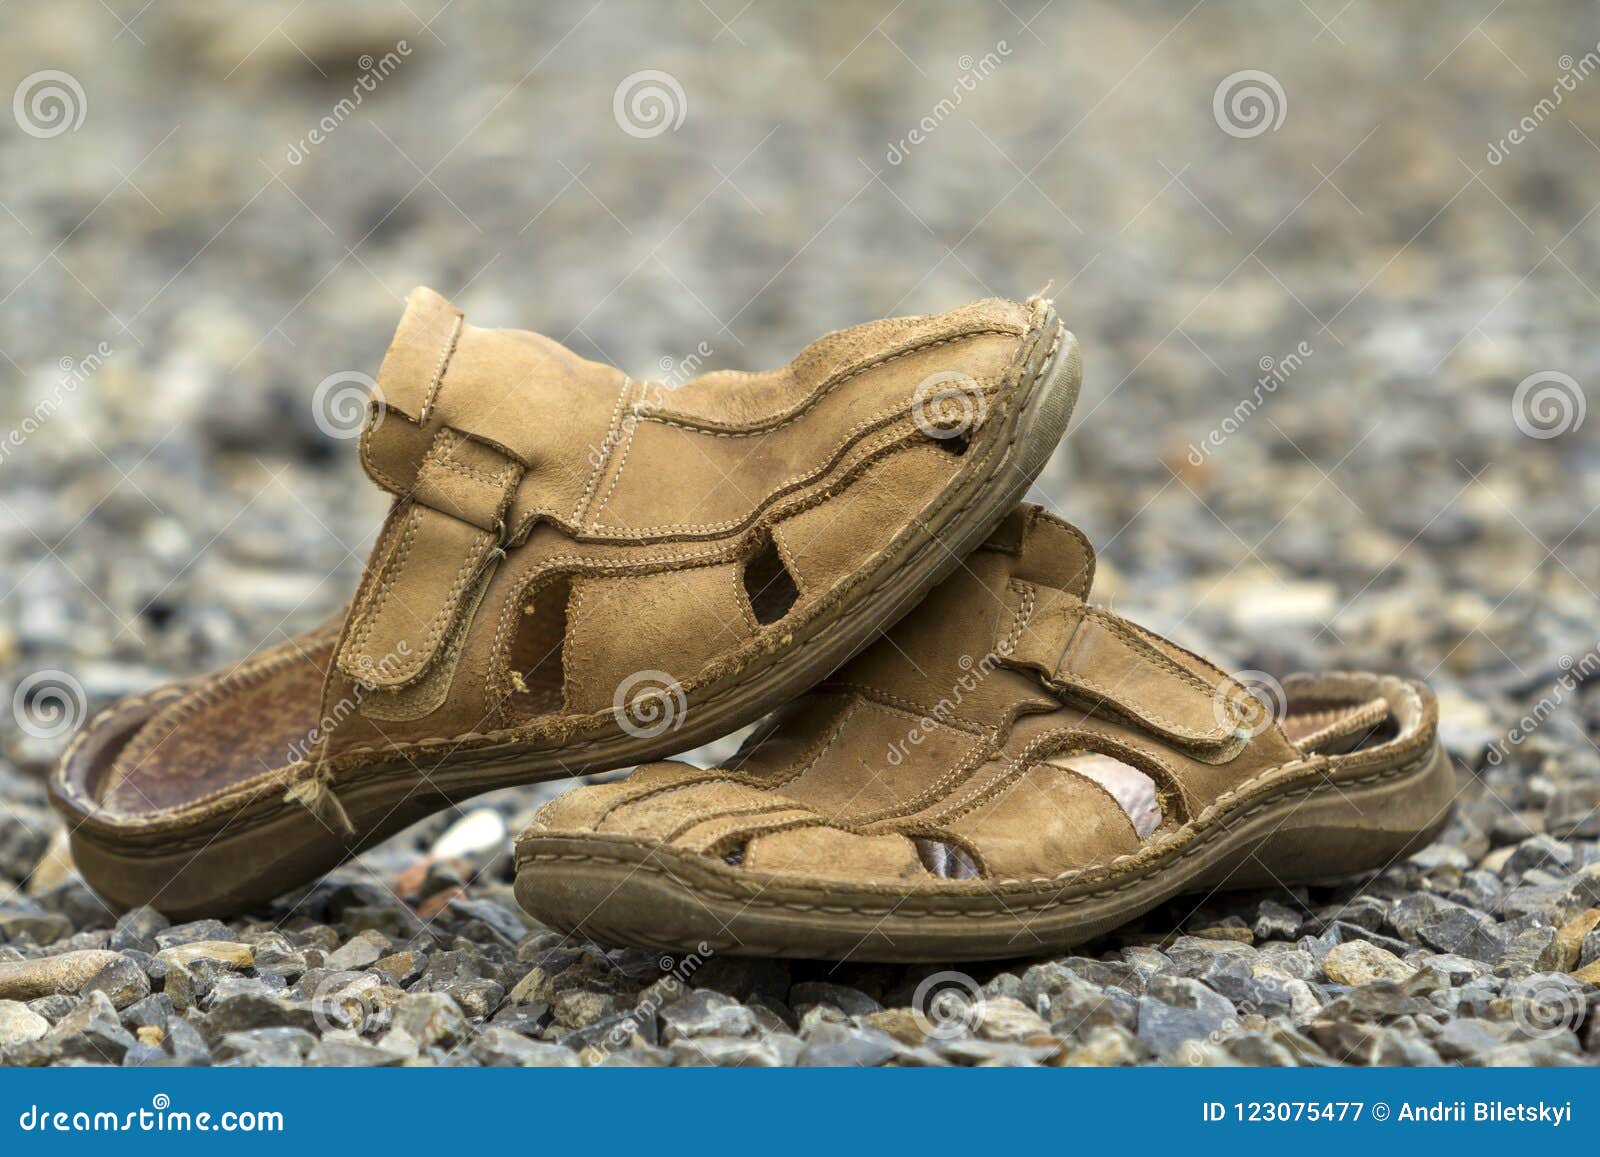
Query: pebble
[
  {"x": 66, "y": 973},
  {"x": 364, "y": 949},
  {"x": 706, "y": 1013},
  {"x": 846, "y": 1046},
  {"x": 224, "y": 952},
  {"x": 502, "y": 1047},
  {"x": 91, "y": 1032},
  {"x": 1358, "y": 962},
  {"x": 19, "y": 1024},
  {"x": 480, "y": 830},
  {"x": 264, "y": 1048}
]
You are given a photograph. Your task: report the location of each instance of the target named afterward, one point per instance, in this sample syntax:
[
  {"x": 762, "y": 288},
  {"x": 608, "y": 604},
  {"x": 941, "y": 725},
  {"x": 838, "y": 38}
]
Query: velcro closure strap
[
  {"x": 1101, "y": 661},
  {"x": 438, "y": 544}
]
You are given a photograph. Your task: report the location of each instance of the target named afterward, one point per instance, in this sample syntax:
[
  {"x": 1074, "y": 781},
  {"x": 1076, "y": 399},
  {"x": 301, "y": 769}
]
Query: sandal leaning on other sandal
[
  {"x": 1011, "y": 771},
  {"x": 579, "y": 572}
]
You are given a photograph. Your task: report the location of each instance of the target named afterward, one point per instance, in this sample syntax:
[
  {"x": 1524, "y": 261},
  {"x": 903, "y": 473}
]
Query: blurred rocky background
[{"x": 1336, "y": 269}]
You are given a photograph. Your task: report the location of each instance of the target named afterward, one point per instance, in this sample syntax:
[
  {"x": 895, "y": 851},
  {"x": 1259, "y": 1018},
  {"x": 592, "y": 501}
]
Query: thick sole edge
[{"x": 624, "y": 893}]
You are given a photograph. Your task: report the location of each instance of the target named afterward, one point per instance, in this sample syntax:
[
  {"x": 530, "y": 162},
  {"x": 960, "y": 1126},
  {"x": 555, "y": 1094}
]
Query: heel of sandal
[{"x": 1345, "y": 830}]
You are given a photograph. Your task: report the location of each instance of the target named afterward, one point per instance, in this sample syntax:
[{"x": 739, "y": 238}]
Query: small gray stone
[
  {"x": 1543, "y": 852},
  {"x": 349, "y": 1054},
  {"x": 850, "y": 1001},
  {"x": 1275, "y": 921},
  {"x": 364, "y": 949},
  {"x": 1176, "y": 1009},
  {"x": 705, "y": 1013},
  {"x": 144, "y": 1056},
  {"x": 188, "y": 1047},
  {"x": 265, "y": 1048},
  {"x": 501, "y": 1047},
  {"x": 477, "y": 998},
  {"x": 151, "y": 1012},
  {"x": 845, "y": 1046},
  {"x": 987, "y": 1054},
  {"x": 192, "y": 933},
  {"x": 768, "y": 1050},
  {"x": 54, "y": 1006},
  {"x": 91, "y": 1032},
  {"x": 123, "y": 982},
  {"x": 137, "y": 928},
  {"x": 429, "y": 1019},
  {"x": 527, "y": 1019},
  {"x": 614, "y": 1033}
]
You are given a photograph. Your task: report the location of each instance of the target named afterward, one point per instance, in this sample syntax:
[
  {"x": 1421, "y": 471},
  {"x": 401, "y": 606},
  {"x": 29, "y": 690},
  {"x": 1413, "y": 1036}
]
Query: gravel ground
[{"x": 1337, "y": 357}]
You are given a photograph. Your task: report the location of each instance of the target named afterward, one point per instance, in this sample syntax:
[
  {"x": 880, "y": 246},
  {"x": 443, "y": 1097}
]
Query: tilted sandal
[
  {"x": 1011, "y": 771},
  {"x": 580, "y": 572}
]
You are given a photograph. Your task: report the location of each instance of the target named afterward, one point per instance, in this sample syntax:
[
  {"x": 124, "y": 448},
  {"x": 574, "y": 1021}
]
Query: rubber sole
[
  {"x": 624, "y": 892},
  {"x": 267, "y": 846}
]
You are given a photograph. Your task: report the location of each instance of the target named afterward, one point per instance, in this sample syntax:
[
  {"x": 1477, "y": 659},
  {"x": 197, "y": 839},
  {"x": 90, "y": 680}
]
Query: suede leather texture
[
  {"x": 941, "y": 737},
  {"x": 558, "y": 528}
]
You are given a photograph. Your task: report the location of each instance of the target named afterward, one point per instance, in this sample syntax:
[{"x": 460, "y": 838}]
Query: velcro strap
[
  {"x": 1101, "y": 661},
  {"x": 438, "y": 543}
]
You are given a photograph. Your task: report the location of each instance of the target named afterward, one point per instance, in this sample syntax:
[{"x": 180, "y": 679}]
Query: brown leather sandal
[
  {"x": 1012, "y": 771},
  {"x": 580, "y": 572}
]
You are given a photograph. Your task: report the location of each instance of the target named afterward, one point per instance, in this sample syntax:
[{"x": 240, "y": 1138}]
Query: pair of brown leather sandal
[{"x": 582, "y": 571}]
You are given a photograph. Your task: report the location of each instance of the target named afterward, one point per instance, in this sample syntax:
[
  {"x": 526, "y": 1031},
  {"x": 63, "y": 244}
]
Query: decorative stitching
[
  {"x": 884, "y": 420},
  {"x": 777, "y": 421},
  {"x": 579, "y": 512},
  {"x": 438, "y": 372}
]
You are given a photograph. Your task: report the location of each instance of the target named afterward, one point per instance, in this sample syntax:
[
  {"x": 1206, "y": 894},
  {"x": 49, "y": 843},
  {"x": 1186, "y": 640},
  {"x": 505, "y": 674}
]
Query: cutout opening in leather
[
  {"x": 948, "y": 861},
  {"x": 537, "y": 657},
  {"x": 1134, "y": 790},
  {"x": 954, "y": 443},
  {"x": 1338, "y": 727},
  {"x": 768, "y": 585}
]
